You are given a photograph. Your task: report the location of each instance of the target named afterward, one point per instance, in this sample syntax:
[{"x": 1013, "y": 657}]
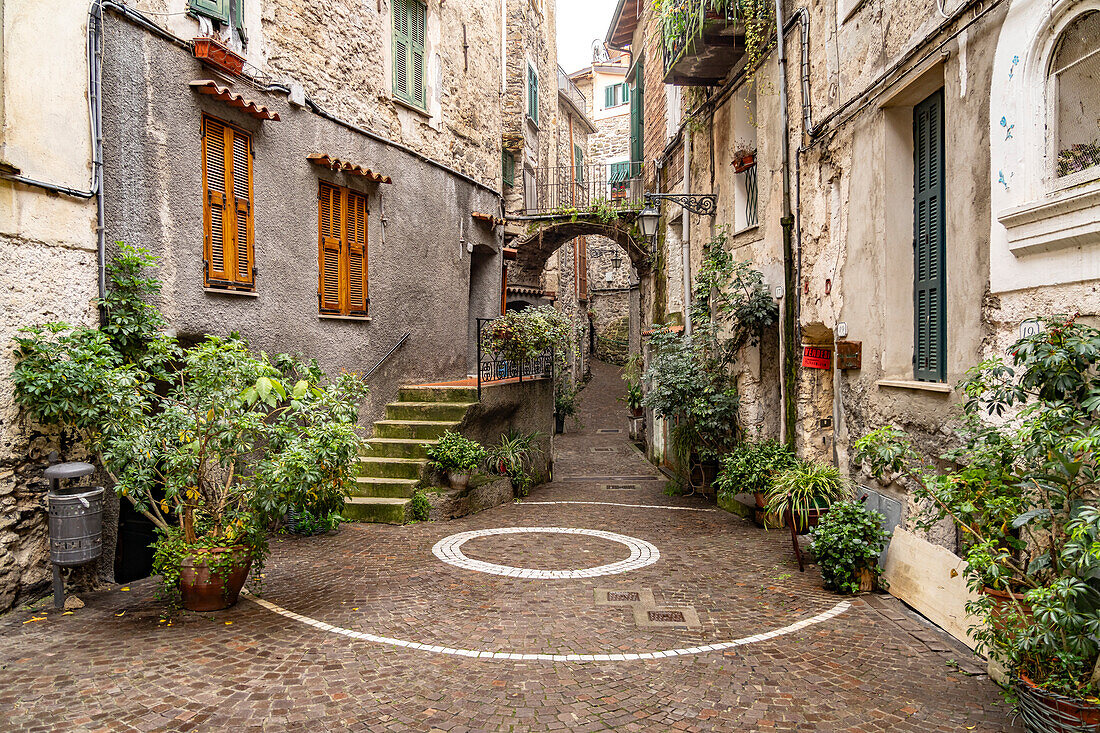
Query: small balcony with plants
[{"x": 703, "y": 40}]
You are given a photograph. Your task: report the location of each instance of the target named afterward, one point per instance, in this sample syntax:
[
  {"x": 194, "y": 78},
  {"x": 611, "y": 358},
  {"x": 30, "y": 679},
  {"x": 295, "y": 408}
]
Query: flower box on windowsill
[
  {"x": 215, "y": 53},
  {"x": 742, "y": 163}
]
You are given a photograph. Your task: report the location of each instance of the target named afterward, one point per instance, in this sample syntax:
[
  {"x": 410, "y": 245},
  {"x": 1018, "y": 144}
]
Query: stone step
[
  {"x": 408, "y": 468},
  {"x": 414, "y": 429},
  {"x": 397, "y": 448},
  {"x": 384, "y": 488},
  {"x": 376, "y": 509},
  {"x": 441, "y": 393},
  {"x": 427, "y": 411}
]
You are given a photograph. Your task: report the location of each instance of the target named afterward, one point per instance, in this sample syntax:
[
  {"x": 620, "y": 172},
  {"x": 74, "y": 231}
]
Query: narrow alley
[{"x": 371, "y": 630}]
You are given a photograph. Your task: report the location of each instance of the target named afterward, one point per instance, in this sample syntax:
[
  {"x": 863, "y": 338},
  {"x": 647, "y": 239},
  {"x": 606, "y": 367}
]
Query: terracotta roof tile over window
[
  {"x": 224, "y": 94},
  {"x": 336, "y": 164}
]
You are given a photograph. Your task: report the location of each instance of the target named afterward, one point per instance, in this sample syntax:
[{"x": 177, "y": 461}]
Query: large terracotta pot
[
  {"x": 458, "y": 479},
  {"x": 206, "y": 589},
  {"x": 1048, "y": 712},
  {"x": 1003, "y": 604}
]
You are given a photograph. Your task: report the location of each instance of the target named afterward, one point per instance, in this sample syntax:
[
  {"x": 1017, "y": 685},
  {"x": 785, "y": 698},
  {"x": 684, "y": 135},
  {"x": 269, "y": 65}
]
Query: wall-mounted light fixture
[{"x": 704, "y": 204}]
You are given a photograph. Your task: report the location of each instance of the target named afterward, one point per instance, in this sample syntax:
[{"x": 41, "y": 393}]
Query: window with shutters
[
  {"x": 222, "y": 11},
  {"x": 637, "y": 110},
  {"x": 342, "y": 251},
  {"x": 410, "y": 21},
  {"x": 578, "y": 163},
  {"x": 532, "y": 94},
  {"x": 929, "y": 245},
  {"x": 615, "y": 95},
  {"x": 227, "y": 206},
  {"x": 508, "y": 168}
]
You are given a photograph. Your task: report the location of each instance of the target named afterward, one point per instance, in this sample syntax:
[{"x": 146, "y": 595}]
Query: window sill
[
  {"x": 227, "y": 291},
  {"x": 411, "y": 107},
  {"x": 849, "y": 12},
  {"x": 331, "y": 317},
  {"x": 1065, "y": 219},
  {"x": 937, "y": 387},
  {"x": 532, "y": 123},
  {"x": 746, "y": 230}
]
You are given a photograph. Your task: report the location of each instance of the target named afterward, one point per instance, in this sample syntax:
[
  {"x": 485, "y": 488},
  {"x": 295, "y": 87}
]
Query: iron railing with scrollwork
[
  {"x": 568, "y": 189},
  {"x": 492, "y": 368}
]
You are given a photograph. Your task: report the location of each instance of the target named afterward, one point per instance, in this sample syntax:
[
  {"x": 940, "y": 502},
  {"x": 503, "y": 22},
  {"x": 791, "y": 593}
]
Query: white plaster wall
[{"x": 1019, "y": 156}]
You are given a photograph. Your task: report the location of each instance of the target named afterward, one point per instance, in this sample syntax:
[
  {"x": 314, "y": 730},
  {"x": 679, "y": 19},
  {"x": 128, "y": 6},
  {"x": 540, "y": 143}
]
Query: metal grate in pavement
[
  {"x": 673, "y": 617},
  {"x": 609, "y": 431}
]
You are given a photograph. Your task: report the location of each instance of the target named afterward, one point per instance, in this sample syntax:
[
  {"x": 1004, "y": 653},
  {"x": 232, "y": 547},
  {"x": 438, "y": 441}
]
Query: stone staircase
[{"x": 392, "y": 467}]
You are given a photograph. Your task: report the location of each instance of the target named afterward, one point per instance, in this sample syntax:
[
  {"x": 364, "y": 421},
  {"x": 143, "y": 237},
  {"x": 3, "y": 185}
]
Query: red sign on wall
[{"x": 814, "y": 357}]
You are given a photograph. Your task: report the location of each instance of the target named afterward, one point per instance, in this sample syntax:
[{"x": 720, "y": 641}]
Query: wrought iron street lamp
[
  {"x": 616, "y": 259},
  {"x": 704, "y": 204}
]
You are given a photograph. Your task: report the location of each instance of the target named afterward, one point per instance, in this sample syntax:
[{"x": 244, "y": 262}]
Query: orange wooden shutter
[
  {"x": 217, "y": 221},
  {"x": 329, "y": 226},
  {"x": 581, "y": 260},
  {"x": 242, "y": 207},
  {"x": 503, "y": 290},
  {"x": 357, "y": 253}
]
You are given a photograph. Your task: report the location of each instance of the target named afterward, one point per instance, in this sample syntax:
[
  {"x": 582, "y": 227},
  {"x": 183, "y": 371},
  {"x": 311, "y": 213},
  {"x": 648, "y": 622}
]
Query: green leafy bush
[
  {"x": 212, "y": 443},
  {"x": 1022, "y": 491},
  {"x": 750, "y": 467},
  {"x": 420, "y": 507},
  {"x": 525, "y": 334},
  {"x": 803, "y": 486},
  {"x": 456, "y": 452},
  {"x": 847, "y": 540}
]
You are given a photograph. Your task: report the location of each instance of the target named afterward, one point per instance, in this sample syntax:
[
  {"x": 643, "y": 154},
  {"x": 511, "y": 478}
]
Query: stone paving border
[
  {"x": 623, "y": 657},
  {"x": 612, "y": 503},
  {"x": 642, "y": 553}
]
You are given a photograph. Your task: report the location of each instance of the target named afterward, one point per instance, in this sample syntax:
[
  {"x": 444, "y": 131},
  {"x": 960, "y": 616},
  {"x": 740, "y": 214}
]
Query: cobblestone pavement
[{"x": 311, "y": 658}]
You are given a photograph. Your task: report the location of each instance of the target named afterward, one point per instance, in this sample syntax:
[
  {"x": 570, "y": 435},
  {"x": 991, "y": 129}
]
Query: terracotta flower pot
[
  {"x": 742, "y": 164},
  {"x": 1003, "y": 604},
  {"x": 207, "y": 589},
  {"x": 1044, "y": 711},
  {"x": 214, "y": 52},
  {"x": 458, "y": 479}
]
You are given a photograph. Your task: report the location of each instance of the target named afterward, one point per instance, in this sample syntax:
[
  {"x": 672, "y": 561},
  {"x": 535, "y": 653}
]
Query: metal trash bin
[{"x": 76, "y": 522}]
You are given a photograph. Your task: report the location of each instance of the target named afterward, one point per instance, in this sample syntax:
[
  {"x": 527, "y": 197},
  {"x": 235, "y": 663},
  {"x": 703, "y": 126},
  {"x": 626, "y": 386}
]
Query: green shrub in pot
[
  {"x": 847, "y": 543},
  {"x": 454, "y": 452},
  {"x": 750, "y": 467}
]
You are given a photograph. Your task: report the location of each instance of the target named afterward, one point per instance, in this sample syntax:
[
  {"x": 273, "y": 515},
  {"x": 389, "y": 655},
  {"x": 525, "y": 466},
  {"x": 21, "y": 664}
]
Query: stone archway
[{"x": 535, "y": 247}]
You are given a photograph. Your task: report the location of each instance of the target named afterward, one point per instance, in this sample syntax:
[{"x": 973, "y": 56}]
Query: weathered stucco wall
[
  {"x": 340, "y": 52},
  {"x": 419, "y": 267},
  {"x": 47, "y": 251}
]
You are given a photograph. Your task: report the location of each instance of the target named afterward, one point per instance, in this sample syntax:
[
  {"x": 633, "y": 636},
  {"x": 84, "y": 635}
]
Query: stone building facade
[
  {"x": 395, "y": 105},
  {"x": 878, "y": 92}
]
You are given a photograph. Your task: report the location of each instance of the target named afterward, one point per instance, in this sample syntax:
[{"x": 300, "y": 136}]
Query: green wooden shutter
[
  {"x": 578, "y": 161},
  {"x": 532, "y": 94},
  {"x": 401, "y": 48},
  {"x": 608, "y": 96},
  {"x": 213, "y": 9},
  {"x": 418, "y": 22},
  {"x": 626, "y": 93},
  {"x": 929, "y": 242},
  {"x": 508, "y": 167},
  {"x": 637, "y": 109}
]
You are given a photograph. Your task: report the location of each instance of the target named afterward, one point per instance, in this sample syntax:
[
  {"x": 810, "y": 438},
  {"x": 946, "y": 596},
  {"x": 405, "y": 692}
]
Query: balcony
[
  {"x": 571, "y": 91},
  {"x": 703, "y": 40},
  {"x": 568, "y": 190}
]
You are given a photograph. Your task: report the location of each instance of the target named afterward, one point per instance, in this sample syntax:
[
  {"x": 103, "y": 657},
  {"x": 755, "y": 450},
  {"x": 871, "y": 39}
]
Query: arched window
[{"x": 1074, "y": 79}]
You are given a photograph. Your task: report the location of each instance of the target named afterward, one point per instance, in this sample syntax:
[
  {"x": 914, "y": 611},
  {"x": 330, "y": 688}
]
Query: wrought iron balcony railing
[
  {"x": 571, "y": 90},
  {"x": 569, "y": 189}
]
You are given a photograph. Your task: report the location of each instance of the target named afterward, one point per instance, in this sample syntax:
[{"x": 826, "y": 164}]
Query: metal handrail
[
  {"x": 388, "y": 354},
  {"x": 571, "y": 90},
  {"x": 568, "y": 189}
]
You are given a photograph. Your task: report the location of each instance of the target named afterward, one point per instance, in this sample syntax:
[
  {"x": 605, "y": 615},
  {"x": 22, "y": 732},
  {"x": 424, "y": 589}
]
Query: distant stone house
[{"x": 327, "y": 198}]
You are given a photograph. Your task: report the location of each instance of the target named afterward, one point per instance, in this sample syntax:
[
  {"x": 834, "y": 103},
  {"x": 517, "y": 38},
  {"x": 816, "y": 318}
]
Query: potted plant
[
  {"x": 514, "y": 457},
  {"x": 744, "y": 156},
  {"x": 212, "y": 51},
  {"x": 1021, "y": 489},
  {"x": 801, "y": 495},
  {"x": 213, "y": 444},
  {"x": 457, "y": 456},
  {"x": 565, "y": 404},
  {"x": 847, "y": 543},
  {"x": 750, "y": 468},
  {"x": 632, "y": 375}
]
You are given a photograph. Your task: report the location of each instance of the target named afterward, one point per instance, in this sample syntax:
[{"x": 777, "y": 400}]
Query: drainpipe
[
  {"x": 686, "y": 241},
  {"x": 787, "y": 334}
]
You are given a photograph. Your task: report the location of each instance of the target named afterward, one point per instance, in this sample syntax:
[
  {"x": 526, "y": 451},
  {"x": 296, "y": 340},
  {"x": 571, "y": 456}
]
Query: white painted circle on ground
[{"x": 449, "y": 550}]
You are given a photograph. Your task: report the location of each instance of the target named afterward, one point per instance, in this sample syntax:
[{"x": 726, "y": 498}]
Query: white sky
[{"x": 580, "y": 22}]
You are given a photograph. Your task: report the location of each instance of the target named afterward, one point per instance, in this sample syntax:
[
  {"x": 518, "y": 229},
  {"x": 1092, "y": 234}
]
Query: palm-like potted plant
[
  {"x": 457, "y": 456},
  {"x": 801, "y": 495}
]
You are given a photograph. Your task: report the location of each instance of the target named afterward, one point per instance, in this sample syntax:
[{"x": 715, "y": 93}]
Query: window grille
[{"x": 1075, "y": 71}]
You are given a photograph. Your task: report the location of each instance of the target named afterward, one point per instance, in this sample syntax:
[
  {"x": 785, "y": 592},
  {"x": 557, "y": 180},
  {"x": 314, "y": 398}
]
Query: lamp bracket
[{"x": 704, "y": 204}]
